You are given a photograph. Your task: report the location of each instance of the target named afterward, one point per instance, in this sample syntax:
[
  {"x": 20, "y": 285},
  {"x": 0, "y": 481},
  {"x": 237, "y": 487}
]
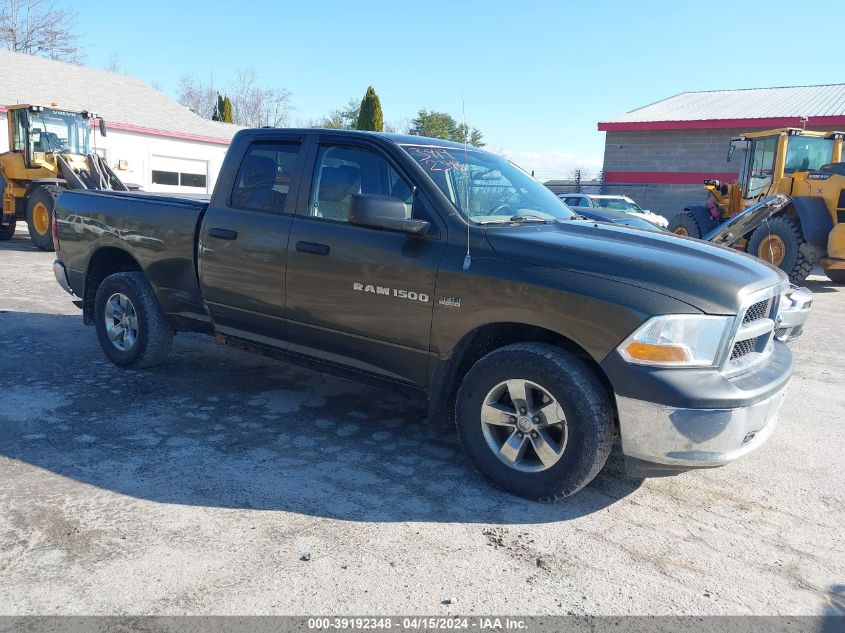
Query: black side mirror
[
  {"x": 731, "y": 150},
  {"x": 384, "y": 212},
  {"x": 25, "y": 119},
  {"x": 102, "y": 126}
]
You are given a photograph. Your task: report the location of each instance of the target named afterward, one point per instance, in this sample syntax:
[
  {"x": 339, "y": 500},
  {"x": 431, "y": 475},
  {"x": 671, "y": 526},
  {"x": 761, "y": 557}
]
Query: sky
[{"x": 534, "y": 76}]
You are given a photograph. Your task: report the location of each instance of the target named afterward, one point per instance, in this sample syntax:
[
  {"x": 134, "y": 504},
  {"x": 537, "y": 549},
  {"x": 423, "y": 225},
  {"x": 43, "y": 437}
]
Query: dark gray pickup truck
[{"x": 423, "y": 265}]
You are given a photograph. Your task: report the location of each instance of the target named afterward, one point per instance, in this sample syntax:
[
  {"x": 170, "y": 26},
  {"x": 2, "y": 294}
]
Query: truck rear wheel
[
  {"x": 778, "y": 242},
  {"x": 535, "y": 420},
  {"x": 39, "y": 215},
  {"x": 685, "y": 224},
  {"x": 130, "y": 324}
]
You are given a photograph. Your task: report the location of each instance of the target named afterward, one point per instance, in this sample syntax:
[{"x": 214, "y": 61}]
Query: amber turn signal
[{"x": 651, "y": 353}]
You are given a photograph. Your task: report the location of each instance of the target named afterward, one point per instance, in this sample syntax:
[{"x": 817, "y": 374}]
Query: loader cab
[
  {"x": 36, "y": 131},
  {"x": 773, "y": 154}
]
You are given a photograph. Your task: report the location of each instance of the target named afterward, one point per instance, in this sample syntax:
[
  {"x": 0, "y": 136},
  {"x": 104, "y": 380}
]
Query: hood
[
  {"x": 743, "y": 223},
  {"x": 710, "y": 278},
  {"x": 617, "y": 217}
]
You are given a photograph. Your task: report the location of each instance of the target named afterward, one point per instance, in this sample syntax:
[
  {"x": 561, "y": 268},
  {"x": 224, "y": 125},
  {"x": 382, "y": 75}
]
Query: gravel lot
[{"x": 227, "y": 483}]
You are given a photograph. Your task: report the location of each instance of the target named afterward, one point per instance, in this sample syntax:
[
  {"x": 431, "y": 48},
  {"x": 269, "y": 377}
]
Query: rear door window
[{"x": 265, "y": 177}]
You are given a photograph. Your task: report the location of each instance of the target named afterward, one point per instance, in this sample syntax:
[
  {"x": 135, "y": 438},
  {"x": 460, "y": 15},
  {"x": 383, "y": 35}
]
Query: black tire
[
  {"x": 585, "y": 403},
  {"x": 7, "y": 232},
  {"x": 795, "y": 263},
  {"x": 46, "y": 195},
  {"x": 685, "y": 222},
  {"x": 836, "y": 275},
  {"x": 151, "y": 343}
]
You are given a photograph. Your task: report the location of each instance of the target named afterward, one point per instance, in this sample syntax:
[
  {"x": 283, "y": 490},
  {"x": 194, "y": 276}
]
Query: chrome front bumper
[
  {"x": 660, "y": 440},
  {"x": 795, "y": 306}
]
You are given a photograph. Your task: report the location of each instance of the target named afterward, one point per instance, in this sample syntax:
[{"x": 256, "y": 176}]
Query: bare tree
[
  {"x": 115, "y": 64},
  {"x": 198, "y": 96},
  {"x": 399, "y": 126},
  {"x": 38, "y": 27},
  {"x": 585, "y": 173},
  {"x": 254, "y": 105}
]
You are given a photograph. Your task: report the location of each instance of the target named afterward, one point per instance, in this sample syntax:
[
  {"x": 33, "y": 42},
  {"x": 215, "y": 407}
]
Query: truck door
[
  {"x": 358, "y": 296},
  {"x": 244, "y": 239}
]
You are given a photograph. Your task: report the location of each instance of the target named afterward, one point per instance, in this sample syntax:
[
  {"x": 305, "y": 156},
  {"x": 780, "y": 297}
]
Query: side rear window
[{"x": 265, "y": 176}]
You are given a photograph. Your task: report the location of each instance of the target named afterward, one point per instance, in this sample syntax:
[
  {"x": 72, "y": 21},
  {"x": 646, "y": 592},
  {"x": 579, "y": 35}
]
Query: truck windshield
[
  {"x": 58, "y": 131},
  {"x": 486, "y": 188}
]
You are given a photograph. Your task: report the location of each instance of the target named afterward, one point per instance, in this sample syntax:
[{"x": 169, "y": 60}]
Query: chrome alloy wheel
[
  {"x": 524, "y": 425},
  {"x": 121, "y": 322}
]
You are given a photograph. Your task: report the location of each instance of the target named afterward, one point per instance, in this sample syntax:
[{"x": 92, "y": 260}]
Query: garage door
[{"x": 179, "y": 175}]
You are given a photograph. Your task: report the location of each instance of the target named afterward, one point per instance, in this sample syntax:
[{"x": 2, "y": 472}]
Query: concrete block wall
[
  {"x": 667, "y": 200},
  {"x": 670, "y": 150},
  {"x": 667, "y": 151}
]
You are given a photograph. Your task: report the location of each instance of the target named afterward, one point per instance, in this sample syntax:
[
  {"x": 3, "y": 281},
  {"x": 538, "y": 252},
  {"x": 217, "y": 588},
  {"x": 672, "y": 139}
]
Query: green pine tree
[
  {"x": 228, "y": 117},
  {"x": 370, "y": 116}
]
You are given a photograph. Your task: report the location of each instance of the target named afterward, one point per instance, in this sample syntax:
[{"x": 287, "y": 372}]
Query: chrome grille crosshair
[{"x": 757, "y": 311}]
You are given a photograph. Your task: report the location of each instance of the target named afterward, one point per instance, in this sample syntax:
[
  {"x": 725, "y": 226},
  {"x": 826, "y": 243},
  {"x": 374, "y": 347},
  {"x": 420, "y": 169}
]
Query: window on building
[
  {"x": 166, "y": 178},
  {"x": 192, "y": 180}
]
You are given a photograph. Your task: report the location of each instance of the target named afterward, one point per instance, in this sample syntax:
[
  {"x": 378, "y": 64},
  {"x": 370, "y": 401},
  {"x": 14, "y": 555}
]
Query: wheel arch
[
  {"x": 447, "y": 374},
  {"x": 813, "y": 217},
  {"x": 104, "y": 262}
]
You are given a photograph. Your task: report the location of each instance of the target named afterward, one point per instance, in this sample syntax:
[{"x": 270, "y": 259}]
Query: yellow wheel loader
[
  {"x": 49, "y": 151},
  {"x": 806, "y": 167}
]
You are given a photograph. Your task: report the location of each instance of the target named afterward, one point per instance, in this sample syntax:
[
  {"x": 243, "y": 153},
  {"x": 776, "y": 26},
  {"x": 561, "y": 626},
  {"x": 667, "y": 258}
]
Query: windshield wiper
[{"x": 516, "y": 219}]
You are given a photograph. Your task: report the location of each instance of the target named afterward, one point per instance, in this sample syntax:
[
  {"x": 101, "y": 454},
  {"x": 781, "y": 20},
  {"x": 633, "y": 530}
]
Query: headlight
[{"x": 677, "y": 340}]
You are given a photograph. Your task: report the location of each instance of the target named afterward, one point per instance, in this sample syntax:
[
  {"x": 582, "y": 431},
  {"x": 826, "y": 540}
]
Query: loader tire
[
  {"x": 39, "y": 215},
  {"x": 685, "y": 224},
  {"x": 7, "y": 232},
  {"x": 778, "y": 242},
  {"x": 836, "y": 275}
]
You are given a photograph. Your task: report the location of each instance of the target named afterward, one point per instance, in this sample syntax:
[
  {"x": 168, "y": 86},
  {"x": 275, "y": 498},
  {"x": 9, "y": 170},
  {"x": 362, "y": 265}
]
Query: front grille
[
  {"x": 759, "y": 310},
  {"x": 753, "y": 334},
  {"x": 743, "y": 348}
]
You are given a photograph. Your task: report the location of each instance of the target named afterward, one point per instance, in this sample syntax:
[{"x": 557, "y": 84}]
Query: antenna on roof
[{"x": 468, "y": 257}]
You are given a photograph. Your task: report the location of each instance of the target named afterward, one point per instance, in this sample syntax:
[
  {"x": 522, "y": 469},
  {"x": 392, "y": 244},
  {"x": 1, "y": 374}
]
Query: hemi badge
[{"x": 454, "y": 302}]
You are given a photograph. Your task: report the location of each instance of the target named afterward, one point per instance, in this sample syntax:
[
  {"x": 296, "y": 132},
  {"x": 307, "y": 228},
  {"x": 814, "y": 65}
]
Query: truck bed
[{"x": 158, "y": 232}]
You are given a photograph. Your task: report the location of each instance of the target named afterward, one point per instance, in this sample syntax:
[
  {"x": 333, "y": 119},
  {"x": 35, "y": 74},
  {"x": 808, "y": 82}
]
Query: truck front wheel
[
  {"x": 131, "y": 327},
  {"x": 39, "y": 215},
  {"x": 535, "y": 420}
]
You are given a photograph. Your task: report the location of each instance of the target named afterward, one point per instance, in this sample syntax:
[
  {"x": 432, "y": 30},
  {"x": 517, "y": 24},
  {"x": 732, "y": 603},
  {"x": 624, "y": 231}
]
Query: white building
[{"x": 151, "y": 140}]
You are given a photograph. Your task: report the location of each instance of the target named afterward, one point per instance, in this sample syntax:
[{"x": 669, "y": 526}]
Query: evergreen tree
[
  {"x": 217, "y": 115},
  {"x": 228, "y": 117},
  {"x": 443, "y": 125},
  {"x": 370, "y": 116}
]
